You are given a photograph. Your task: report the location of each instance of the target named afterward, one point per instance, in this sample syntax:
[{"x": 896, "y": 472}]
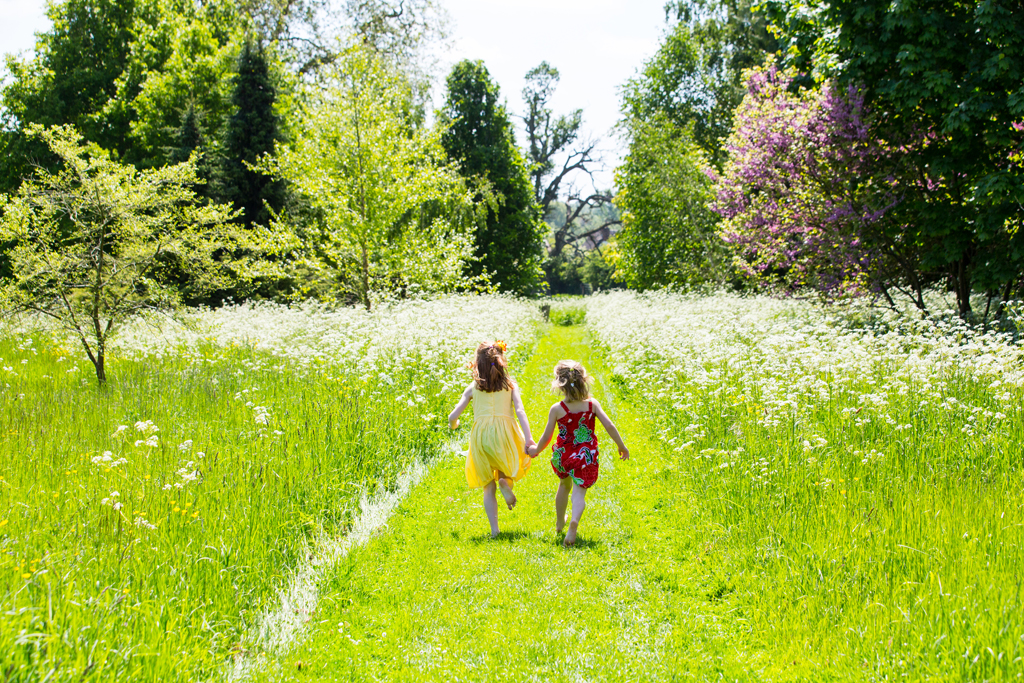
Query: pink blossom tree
[{"x": 802, "y": 195}]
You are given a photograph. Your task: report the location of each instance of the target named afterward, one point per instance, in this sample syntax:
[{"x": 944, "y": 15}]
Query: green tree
[
  {"x": 251, "y": 132},
  {"x": 945, "y": 76},
  {"x": 92, "y": 238},
  {"x": 77, "y": 76},
  {"x": 478, "y": 135},
  {"x": 390, "y": 213},
  {"x": 668, "y": 235},
  {"x": 198, "y": 46},
  {"x": 694, "y": 79}
]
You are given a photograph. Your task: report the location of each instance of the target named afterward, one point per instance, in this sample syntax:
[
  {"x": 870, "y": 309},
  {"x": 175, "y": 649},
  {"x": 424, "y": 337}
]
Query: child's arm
[
  {"x": 524, "y": 422},
  {"x": 467, "y": 396},
  {"x": 549, "y": 430},
  {"x": 612, "y": 431}
]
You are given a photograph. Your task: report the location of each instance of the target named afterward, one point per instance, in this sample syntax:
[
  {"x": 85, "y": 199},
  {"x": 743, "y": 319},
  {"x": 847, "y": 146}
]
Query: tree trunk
[
  {"x": 101, "y": 371},
  {"x": 366, "y": 279},
  {"x": 962, "y": 283}
]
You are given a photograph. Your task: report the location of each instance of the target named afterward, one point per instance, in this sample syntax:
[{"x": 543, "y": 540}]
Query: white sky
[{"x": 595, "y": 44}]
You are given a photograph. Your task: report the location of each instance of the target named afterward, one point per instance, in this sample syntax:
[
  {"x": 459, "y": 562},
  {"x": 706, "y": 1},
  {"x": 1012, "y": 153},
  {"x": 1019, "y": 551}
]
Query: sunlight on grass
[
  {"x": 859, "y": 488},
  {"x": 144, "y": 526}
]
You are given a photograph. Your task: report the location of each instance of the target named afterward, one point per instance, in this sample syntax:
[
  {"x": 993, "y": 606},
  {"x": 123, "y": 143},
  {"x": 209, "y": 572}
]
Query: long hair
[
  {"x": 490, "y": 369},
  {"x": 571, "y": 379}
]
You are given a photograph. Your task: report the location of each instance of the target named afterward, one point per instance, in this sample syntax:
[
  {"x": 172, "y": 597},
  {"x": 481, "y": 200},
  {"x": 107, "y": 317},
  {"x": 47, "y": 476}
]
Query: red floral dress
[{"x": 575, "y": 451}]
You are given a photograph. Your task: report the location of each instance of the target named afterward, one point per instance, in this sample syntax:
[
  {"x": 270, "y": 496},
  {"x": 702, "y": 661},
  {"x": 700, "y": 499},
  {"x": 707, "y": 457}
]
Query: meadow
[
  {"x": 814, "y": 494},
  {"x": 146, "y": 526},
  {"x": 857, "y": 476}
]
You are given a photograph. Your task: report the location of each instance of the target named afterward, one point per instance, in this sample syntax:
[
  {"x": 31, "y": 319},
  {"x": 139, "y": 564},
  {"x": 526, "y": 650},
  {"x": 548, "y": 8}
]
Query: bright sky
[{"x": 595, "y": 44}]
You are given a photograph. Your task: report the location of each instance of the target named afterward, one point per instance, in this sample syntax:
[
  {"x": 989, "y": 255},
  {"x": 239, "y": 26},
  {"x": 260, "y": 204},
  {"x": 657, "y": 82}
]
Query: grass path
[{"x": 433, "y": 598}]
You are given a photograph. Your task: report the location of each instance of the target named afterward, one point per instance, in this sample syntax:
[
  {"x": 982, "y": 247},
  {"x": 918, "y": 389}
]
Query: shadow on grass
[
  {"x": 579, "y": 544},
  {"x": 507, "y": 536}
]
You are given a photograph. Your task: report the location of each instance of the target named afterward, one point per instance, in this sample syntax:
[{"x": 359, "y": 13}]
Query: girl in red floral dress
[{"x": 574, "y": 455}]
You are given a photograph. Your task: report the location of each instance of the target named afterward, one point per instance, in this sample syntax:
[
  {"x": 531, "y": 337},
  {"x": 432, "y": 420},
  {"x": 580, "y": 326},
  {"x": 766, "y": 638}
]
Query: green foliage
[
  {"x": 199, "y": 46},
  {"x": 694, "y": 80},
  {"x": 598, "y": 268},
  {"x": 668, "y": 235},
  {"x": 77, "y": 77},
  {"x": 124, "y": 72},
  {"x": 945, "y": 76},
  {"x": 251, "y": 132},
  {"x": 677, "y": 114},
  {"x": 478, "y": 135},
  {"x": 567, "y": 313},
  {"x": 388, "y": 213},
  {"x": 93, "y": 239}
]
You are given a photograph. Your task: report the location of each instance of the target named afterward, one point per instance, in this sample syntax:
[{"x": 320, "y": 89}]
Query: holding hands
[{"x": 531, "y": 448}]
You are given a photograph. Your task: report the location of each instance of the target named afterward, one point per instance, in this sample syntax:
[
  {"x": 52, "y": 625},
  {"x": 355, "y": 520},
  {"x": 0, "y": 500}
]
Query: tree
[
  {"x": 201, "y": 44},
  {"x": 694, "y": 80},
  {"x": 478, "y": 135},
  {"x": 676, "y": 115},
  {"x": 252, "y": 132},
  {"x": 547, "y": 138},
  {"x": 949, "y": 74},
  {"x": 668, "y": 235},
  {"x": 810, "y": 198},
  {"x": 76, "y": 77},
  {"x": 91, "y": 240},
  {"x": 390, "y": 212}
]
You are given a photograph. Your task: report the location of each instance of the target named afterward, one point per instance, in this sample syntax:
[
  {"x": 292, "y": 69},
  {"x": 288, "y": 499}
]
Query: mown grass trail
[{"x": 433, "y": 598}]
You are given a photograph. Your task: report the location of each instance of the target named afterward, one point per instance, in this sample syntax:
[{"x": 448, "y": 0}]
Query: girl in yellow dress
[{"x": 498, "y": 441}]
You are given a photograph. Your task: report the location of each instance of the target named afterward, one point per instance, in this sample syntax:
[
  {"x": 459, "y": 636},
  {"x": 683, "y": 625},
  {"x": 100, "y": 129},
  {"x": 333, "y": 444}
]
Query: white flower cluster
[
  {"x": 112, "y": 500},
  {"x": 107, "y": 460},
  {"x": 791, "y": 353},
  {"x": 782, "y": 360}
]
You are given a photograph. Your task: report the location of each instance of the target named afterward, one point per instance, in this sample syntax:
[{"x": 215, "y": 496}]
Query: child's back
[{"x": 497, "y": 448}]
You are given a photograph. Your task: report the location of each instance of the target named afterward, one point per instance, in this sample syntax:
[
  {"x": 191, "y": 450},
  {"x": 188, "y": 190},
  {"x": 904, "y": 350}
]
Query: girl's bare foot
[
  {"x": 559, "y": 525},
  {"x": 494, "y": 534},
  {"x": 570, "y": 535},
  {"x": 506, "y": 491}
]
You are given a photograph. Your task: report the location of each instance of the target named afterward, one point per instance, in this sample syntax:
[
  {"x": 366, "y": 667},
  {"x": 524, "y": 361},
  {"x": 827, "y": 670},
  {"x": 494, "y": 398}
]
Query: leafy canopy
[
  {"x": 92, "y": 240},
  {"x": 390, "y": 212},
  {"x": 478, "y": 135}
]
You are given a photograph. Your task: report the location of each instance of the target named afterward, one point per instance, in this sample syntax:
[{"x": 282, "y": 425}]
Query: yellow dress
[{"x": 496, "y": 444}]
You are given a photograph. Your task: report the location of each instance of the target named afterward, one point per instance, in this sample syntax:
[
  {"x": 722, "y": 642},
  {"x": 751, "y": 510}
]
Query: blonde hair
[{"x": 571, "y": 379}]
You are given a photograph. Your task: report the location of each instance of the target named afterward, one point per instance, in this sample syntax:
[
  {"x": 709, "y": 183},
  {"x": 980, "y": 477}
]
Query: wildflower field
[
  {"x": 145, "y": 526},
  {"x": 813, "y": 493},
  {"x": 858, "y": 487}
]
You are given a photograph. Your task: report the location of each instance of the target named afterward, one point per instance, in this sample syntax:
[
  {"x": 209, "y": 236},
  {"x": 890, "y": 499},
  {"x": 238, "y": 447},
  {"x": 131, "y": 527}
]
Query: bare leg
[
  {"x": 491, "y": 508},
  {"x": 561, "y": 502},
  {"x": 579, "y": 504},
  {"x": 506, "y": 490}
]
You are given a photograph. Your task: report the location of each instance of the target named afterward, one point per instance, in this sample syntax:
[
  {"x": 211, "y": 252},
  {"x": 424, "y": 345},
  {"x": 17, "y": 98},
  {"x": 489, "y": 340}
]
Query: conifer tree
[
  {"x": 479, "y": 136},
  {"x": 252, "y": 131},
  {"x": 189, "y": 138}
]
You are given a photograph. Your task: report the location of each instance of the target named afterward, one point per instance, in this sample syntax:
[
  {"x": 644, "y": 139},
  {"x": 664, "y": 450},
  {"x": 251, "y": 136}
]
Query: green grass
[
  {"x": 785, "y": 516},
  {"x": 434, "y": 598},
  {"x": 858, "y": 494},
  {"x": 567, "y": 312},
  {"x": 154, "y": 567}
]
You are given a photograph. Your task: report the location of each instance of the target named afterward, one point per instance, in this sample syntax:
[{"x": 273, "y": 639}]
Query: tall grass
[
  {"x": 144, "y": 525},
  {"x": 859, "y": 489},
  {"x": 567, "y": 312}
]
